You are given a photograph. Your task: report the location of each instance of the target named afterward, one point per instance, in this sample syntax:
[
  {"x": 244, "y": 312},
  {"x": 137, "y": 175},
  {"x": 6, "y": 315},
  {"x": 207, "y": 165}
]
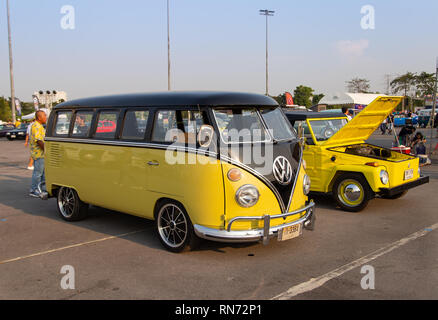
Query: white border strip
[
  {"x": 315, "y": 283},
  {"x": 71, "y": 246}
]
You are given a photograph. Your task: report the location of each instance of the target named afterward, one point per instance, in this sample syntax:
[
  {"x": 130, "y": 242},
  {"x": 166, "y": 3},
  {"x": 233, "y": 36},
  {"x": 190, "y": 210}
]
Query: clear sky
[{"x": 121, "y": 46}]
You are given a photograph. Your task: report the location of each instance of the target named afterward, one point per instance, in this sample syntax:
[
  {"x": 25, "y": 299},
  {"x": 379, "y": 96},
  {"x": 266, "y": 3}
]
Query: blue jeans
[{"x": 38, "y": 174}]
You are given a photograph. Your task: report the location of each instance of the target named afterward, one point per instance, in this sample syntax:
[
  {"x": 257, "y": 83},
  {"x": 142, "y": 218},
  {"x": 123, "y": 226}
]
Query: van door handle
[{"x": 153, "y": 163}]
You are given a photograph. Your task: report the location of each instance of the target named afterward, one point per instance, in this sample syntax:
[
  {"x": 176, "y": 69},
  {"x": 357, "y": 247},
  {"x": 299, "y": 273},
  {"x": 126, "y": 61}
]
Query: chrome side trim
[
  {"x": 249, "y": 235},
  {"x": 133, "y": 144}
]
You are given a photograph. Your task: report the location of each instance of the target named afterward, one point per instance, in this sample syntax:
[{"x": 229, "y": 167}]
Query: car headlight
[
  {"x": 384, "y": 177},
  {"x": 306, "y": 184},
  {"x": 247, "y": 196},
  {"x": 304, "y": 164}
]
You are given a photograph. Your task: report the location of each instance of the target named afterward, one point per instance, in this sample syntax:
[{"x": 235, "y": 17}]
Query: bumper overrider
[
  {"x": 228, "y": 235},
  {"x": 393, "y": 191}
]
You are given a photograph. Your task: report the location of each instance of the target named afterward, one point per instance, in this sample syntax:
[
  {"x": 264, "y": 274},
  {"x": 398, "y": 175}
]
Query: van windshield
[{"x": 245, "y": 125}]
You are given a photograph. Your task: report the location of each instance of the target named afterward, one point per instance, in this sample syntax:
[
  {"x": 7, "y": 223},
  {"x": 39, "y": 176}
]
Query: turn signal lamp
[
  {"x": 234, "y": 175},
  {"x": 372, "y": 164}
]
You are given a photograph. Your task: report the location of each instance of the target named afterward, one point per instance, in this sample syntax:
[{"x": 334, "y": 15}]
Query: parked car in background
[
  {"x": 339, "y": 161},
  {"x": 18, "y": 133},
  {"x": 402, "y": 120},
  {"x": 424, "y": 117},
  {"x": 4, "y": 128},
  {"x": 106, "y": 126}
]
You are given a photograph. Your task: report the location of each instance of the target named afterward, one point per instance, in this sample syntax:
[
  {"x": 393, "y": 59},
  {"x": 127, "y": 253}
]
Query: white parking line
[
  {"x": 71, "y": 246},
  {"x": 320, "y": 281}
]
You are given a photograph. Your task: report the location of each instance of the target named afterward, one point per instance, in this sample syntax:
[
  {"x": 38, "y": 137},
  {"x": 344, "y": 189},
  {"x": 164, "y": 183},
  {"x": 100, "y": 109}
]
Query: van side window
[
  {"x": 106, "y": 125},
  {"x": 82, "y": 124},
  {"x": 134, "y": 126},
  {"x": 177, "y": 126},
  {"x": 62, "y": 125},
  {"x": 164, "y": 124}
]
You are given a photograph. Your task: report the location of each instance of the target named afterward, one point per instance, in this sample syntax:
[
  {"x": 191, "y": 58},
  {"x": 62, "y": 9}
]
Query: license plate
[
  {"x": 289, "y": 232},
  {"x": 409, "y": 174},
  {"x": 13, "y": 136}
]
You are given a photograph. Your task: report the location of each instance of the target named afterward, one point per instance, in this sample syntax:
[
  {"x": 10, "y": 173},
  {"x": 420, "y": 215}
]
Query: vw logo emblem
[{"x": 282, "y": 170}]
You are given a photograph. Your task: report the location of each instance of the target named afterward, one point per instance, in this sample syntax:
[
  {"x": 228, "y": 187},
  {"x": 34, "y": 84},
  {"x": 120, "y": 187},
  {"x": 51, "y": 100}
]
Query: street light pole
[
  {"x": 11, "y": 71},
  {"x": 168, "y": 48},
  {"x": 432, "y": 114},
  {"x": 267, "y": 13}
]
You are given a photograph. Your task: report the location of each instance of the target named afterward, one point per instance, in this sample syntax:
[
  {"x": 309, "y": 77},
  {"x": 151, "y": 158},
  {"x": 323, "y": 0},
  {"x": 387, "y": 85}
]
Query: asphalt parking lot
[{"x": 117, "y": 256}]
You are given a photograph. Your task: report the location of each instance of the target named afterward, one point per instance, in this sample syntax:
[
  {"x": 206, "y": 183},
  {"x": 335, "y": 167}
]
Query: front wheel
[
  {"x": 70, "y": 207},
  {"x": 352, "y": 192},
  {"x": 174, "y": 228}
]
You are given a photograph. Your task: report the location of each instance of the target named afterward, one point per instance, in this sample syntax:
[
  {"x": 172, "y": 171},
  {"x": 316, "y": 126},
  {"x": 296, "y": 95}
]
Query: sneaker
[
  {"x": 30, "y": 168},
  {"x": 34, "y": 194}
]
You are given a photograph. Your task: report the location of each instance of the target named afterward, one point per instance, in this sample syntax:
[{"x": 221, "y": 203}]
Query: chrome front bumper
[{"x": 254, "y": 235}]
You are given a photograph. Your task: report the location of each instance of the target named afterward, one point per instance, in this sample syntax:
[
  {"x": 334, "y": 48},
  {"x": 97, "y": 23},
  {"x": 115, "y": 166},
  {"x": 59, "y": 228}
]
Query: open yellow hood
[{"x": 365, "y": 123}]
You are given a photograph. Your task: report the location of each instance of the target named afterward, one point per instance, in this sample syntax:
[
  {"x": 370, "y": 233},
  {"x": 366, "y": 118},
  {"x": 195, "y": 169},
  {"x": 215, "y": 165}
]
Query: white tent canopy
[
  {"x": 31, "y": 116},
  {"x": 349, "y": 98}
]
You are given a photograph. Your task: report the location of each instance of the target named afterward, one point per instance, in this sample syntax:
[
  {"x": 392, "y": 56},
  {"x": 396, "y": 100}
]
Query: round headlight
[
  {"x": 384, "y": 177},
  {"x": 247, "y": 196},
  {"x": 306, "y": 184}
]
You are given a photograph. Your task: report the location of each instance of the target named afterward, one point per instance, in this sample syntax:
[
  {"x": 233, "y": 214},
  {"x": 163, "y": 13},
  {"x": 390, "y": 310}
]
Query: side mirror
[{"x": 205, "y": 135}]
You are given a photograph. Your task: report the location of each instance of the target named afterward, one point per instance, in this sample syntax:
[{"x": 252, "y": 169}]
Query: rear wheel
[
  {"x": 352, "y": 192},
  {"x": 70, "y": 207},
  {"x": 396, "y": 196},
  {"x": 174, "y": 228}
]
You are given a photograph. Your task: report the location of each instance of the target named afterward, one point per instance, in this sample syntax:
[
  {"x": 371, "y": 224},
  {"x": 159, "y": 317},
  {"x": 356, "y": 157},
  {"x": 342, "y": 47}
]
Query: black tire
[
  {"x": 174, "y": 227},
  {"x": 10, "y": 139},
  {"x": 345, "y": 192},
  {"x": 396, "y": 196},
  {"x": 70, "y": 207}
]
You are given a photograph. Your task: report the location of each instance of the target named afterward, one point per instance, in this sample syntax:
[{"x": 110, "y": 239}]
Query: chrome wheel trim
[
  {"x": 66, "y": 202},
  {"x": 172, "y": 225},
  {"x": 352, "y": 192}
]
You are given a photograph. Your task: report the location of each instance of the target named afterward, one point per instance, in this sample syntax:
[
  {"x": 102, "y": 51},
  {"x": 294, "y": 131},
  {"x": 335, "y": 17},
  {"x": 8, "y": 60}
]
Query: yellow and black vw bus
[{"x": 221, "y": 166}]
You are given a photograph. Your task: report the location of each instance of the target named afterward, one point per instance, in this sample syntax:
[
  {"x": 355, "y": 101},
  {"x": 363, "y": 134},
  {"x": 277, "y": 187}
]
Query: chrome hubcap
[
  {"x": 172, "y": 225},
  {"x": 352, "y": 192},
  {"x": 66, "y": 202}
]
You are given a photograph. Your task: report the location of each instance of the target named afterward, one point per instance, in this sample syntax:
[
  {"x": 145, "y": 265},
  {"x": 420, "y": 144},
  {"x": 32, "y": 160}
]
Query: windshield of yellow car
[{"x": 325, "y": 129}]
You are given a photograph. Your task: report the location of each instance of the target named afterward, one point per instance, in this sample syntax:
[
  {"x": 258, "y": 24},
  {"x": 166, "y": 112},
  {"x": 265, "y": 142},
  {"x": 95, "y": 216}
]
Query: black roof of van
[{"x": 173, "y": 98}]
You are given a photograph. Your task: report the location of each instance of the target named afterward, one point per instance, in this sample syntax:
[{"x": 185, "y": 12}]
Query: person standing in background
[
  {"x": 347, "y": 113},
  {"x": 26, "y": 143},
  {"x": 36, "y": 137}
]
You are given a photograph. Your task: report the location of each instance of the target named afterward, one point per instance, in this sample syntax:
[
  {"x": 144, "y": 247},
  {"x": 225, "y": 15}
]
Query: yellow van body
[{"x": 136, "y": 177}]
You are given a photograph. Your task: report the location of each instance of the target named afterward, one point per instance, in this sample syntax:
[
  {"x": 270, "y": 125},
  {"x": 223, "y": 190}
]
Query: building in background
[{"x": 47, "y": 98}]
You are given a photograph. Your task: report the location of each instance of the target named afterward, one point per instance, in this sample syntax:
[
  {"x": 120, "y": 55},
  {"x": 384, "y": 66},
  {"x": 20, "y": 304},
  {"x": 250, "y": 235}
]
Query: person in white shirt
[{"x": 347, "y": 113}]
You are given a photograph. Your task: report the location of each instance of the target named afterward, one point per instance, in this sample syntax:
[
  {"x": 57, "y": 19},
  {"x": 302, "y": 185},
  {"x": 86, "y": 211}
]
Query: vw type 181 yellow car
[
  {"x": 340, "y": 162},
  {"x": 220, "y": 166}
]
